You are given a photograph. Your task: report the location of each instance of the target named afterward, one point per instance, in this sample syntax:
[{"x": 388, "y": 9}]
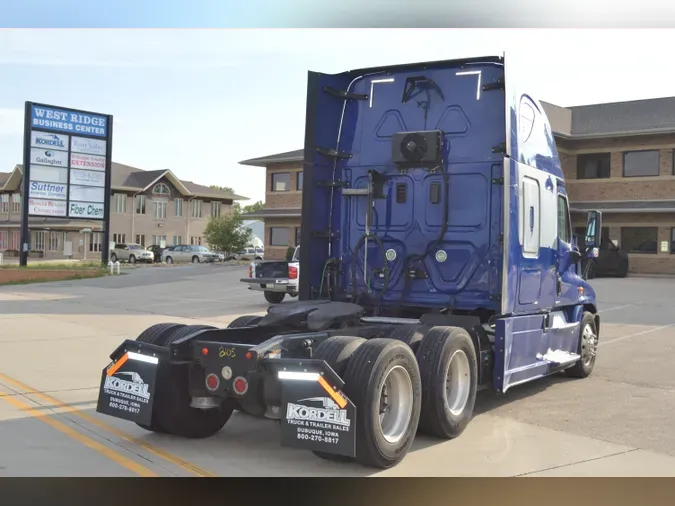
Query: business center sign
[{"x": 68, "y": 160}]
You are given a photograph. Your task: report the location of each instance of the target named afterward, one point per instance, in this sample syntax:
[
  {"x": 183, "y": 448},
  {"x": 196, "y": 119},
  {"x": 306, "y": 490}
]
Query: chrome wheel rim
[
  {"x": 589, "y": 345},
  {"x": 395, "y": 403},
  {"x": 458, "y": 383}
]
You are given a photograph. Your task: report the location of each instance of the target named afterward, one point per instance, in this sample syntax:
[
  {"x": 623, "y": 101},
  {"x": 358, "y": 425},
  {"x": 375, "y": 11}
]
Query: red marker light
[
  {"x": 205, "y": 351},
  {"x": 240, "y": 385},
  {"x": 212, "y": 382},
  {"x": 248, "y": 355}
]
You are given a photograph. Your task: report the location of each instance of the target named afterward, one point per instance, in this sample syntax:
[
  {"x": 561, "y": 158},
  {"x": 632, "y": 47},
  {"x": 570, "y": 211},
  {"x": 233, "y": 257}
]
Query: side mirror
[{"x": 593, "y": 229}]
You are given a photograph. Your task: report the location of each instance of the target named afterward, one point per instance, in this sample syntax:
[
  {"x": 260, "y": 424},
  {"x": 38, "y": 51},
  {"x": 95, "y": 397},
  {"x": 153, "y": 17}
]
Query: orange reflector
[
  {"x": 113, "y": 369},
  {"x": 341, "y": 401}
]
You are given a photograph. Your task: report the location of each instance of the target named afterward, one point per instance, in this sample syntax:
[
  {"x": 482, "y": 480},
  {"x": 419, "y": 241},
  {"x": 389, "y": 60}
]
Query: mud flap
[
  {"x": 316, "y": 416},
  {"x": 127, "y": 387}
]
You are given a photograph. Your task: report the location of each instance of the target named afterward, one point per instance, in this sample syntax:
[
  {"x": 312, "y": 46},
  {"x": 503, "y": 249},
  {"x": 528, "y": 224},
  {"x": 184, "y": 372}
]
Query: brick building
[
  {"x": 147, "y": 207},
  {"x": 617, "y": 157}
]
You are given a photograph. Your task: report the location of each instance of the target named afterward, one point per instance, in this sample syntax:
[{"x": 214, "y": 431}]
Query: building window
[
  {"x": 297, "y": 236},
  {"x": 563, "y": 220},
  {"x": 280, "y": 236},
  {"x": 119, "y": 238},
  {"x": 177, "y": 240},
  {"x": 4, "y": 240},
  {"x": 281, "y": 181},
  {"x": 159, "y": 209},
  {"x": 95, "y": 241},
  {"x": 4, "y": 203},
  {"x": 56, "y": 240},
  {"x": 196, "y": 241},
  {"x": 300, "y": 180},
  {"x": 140, "y": 204},
  {"x": 38, "y": 241},
  {"x": 672, "y": 240},
  {"x": 14, "y": 239},
  {"x": 161, "y": 189},
  {"x": 16, "y": 203},
  {"x": 178, "y": 207},
  {"x": 593, "y": 166},
  {"x": 215, "y": 208},
  {"x": 640, "y": 239},
  {"x": 641, "y": 163},
  {"x": 140, "y": 239},
  {"x": 120, "y": 203},
  {"x": 157, "y": 240},
  {"x": 196, "y": 208}
]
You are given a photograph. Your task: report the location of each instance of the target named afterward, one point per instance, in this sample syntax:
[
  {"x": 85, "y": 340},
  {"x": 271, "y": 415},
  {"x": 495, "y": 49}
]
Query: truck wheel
[
  {"x": 172, "y": 400},
  {"x": 274, "y": 297},
  {"x": 587, "y": 348},
  {"x": 382, "y": 379},
  {"x": 410, "y": 334},
  {"x": 244, "y": 321},
  {"x": 449, "y": 371},
  {"x": 336, "y": 351},
  {"x": 157, "y": 335}
]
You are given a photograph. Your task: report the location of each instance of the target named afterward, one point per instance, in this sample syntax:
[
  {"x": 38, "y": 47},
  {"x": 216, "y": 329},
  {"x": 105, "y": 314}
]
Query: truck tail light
[
  {"x": 292, "y": 272},
  {"x": 240, "y": 385}
]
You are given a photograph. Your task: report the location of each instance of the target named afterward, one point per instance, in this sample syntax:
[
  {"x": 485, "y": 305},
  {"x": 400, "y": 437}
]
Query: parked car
[
  {"x": 131, "y": 253},
  {"x": 157, "y": 251},
  {"x": 186, "y": 253},
  {"x": 275, "y": 278},
  {"x": 611, "y": 261},
  {"x": 250, "y": 253}
]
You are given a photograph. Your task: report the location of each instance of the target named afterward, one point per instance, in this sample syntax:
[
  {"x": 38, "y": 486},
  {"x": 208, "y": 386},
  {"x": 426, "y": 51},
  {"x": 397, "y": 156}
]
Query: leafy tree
[{"x": 225, "y": 233}]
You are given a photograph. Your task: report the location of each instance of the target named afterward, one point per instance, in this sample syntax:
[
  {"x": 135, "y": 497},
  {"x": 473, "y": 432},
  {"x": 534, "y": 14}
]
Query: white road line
[
  {"x": 618, "y": 307},
  {"x": 656, "y": 329}
]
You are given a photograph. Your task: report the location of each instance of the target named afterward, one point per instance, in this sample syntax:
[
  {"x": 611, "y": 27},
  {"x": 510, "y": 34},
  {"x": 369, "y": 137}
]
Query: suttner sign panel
[{"x": 66, "y": 166}]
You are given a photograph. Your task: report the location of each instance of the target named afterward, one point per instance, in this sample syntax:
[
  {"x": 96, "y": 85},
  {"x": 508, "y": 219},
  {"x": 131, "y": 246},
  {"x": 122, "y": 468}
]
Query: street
[{"x": 56, "y": 337}]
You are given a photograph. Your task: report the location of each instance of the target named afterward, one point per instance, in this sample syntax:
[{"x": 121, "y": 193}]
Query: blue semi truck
[{"x": 437, "y": 260}]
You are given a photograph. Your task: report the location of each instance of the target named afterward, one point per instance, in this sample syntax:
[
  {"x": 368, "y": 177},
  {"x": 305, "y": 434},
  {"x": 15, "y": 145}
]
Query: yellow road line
[
  {"x": 85, "y": 440},
  {"x": 158, "y": 452}
]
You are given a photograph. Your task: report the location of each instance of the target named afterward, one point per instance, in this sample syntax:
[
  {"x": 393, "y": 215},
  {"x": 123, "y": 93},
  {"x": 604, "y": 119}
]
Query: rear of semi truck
[{"x": 437, "y": 260}]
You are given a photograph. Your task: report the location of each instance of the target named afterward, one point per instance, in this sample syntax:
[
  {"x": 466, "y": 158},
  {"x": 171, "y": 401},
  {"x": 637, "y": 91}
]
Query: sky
[{"x": 200, "y": 101}]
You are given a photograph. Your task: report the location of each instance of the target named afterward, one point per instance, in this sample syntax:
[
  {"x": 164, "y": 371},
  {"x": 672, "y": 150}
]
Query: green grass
[{"x": 75, "y": 266}]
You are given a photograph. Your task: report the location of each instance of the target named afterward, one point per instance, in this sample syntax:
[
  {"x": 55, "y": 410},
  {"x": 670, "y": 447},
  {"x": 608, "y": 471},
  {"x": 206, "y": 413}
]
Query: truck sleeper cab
[{"x": 437, "y": 260}]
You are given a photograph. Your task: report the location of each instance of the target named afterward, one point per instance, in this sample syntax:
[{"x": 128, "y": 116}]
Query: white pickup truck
[{"x": 275, "y": 278}]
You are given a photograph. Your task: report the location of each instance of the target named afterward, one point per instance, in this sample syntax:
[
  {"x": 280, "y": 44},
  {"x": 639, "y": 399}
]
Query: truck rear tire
[
  {"x": 449, "y": 370},
  {"x": 244, "y": 321},
  {"x": 382, "y": 379},
  {"x": 410, "y": 334},
  {"x": 587, "y": 348},
  {"x": 172, "y": 398},
  {"x": 336, "y": 351},
  {"x": 274, "y": 297},
  {"x": 157, "y": 334}
]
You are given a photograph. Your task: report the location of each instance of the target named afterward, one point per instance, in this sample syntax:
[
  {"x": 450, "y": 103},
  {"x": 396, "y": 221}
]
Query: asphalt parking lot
[{"x": 55, "y": 338}]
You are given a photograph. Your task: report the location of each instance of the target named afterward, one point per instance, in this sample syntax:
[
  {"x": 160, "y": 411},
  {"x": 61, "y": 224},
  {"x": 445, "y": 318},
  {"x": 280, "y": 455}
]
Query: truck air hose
[{"x": 384, "y": 269}]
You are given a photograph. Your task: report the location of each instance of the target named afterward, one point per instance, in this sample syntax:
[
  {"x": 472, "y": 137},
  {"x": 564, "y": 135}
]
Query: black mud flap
[
  {"x": 315, "y": 414},
  {"x": 127, "y": 386}
]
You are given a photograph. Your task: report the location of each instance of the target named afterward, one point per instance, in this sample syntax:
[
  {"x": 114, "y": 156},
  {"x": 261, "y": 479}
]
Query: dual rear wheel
[{"x": 420, "y": 378}]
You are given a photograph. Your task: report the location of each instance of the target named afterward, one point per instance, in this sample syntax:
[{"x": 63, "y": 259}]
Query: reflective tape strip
[{"x": 143, "y": 358}]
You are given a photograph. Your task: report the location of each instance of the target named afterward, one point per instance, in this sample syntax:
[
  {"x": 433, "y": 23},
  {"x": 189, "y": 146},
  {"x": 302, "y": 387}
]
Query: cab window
[{"x": 564, "y": 233}]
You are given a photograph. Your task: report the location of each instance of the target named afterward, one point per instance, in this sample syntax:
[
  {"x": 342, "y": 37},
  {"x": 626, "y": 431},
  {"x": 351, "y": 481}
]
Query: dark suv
[{"x": 611, "y": 261}]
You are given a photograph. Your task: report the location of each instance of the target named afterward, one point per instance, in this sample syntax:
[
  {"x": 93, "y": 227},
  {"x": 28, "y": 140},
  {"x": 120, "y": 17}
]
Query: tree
[
  {"x": 239, "y": 209},
  {"x": 225, "y": 233}
]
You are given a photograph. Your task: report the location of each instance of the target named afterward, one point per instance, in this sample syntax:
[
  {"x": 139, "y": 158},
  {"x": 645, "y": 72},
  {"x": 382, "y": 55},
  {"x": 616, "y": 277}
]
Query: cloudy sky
[{"x": 199, "y": 101}]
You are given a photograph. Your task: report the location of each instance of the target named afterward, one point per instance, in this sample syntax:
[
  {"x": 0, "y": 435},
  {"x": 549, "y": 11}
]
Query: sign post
[{"x": 66, "y": 169}]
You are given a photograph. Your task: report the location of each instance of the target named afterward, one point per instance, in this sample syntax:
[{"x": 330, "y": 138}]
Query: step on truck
[{"x": 437, "y": 260}]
